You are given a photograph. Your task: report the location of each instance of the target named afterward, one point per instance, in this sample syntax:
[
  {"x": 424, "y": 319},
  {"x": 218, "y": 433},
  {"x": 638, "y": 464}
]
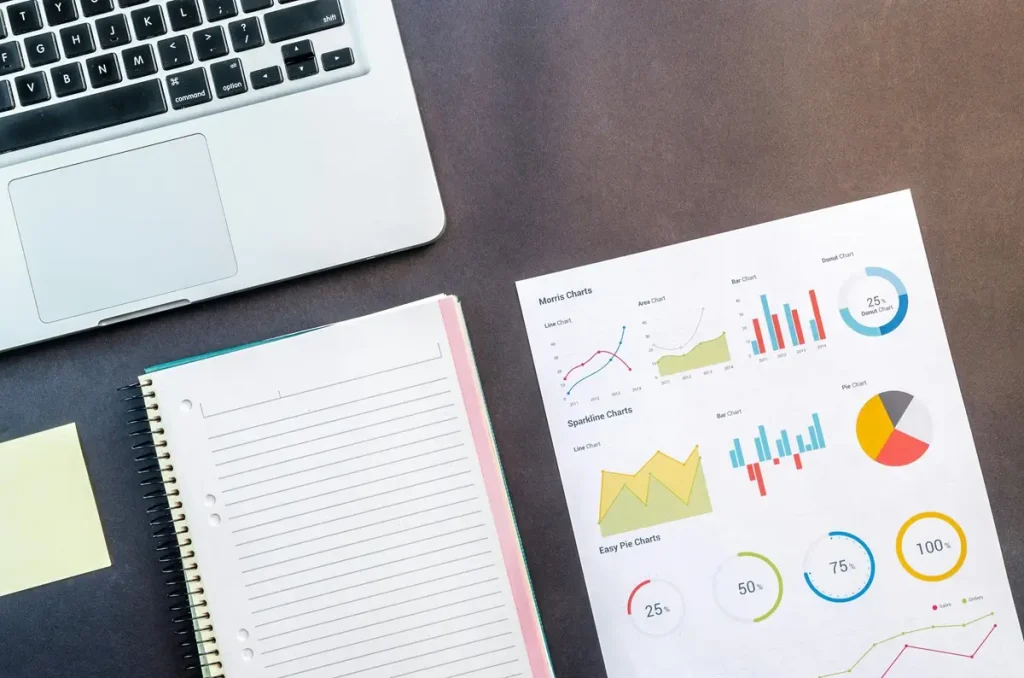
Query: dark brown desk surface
[{"x": 567, "y": 132}]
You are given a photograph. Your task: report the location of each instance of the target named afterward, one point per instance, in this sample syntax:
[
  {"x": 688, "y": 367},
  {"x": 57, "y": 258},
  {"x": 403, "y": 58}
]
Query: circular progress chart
[
  {"x": 882, "y": 313},
  {"x": 894, "y": 428}
]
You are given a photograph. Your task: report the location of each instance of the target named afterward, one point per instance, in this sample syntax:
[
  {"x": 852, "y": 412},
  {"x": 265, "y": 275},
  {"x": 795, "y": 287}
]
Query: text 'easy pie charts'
[{"x": 894, "y": 428}]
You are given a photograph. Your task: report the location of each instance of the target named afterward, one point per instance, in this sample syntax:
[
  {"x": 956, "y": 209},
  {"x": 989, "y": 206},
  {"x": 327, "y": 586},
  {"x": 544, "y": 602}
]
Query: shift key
[{"x": 298, "y": 20}]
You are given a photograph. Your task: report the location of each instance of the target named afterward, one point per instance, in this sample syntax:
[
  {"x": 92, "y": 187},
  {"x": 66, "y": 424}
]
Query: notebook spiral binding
[{"x": 190, "y": 616}]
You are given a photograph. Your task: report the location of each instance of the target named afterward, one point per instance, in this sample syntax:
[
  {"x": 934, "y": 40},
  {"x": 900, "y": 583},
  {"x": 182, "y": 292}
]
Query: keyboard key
[
  {"x": 246, "y": 34},
  {"x": 103, "y": 70},
  {"x": 3, "y": 27},
  {"x": 255, "y": 5},
  {"x": 266, "y": 77},
  {"x": 68, "y": 79},
  {"x": 24, "y": 18},
  {"x": 32, "y": 88},
  {"x": 228, "y": 78},
  {"x": 10, "y": 58},
  {"x": 174, "y": 52},
  {"x": 297, "y": 51},
  {"x": 113, "y": 31},
  {"x": 95, "y": 7},
  {"x": 41, "y": 49},
  {"x": 77, "y": 40},
  {"x": 82, "y": 114},
  {"x": 130, "y": 3},
  {"x": 299, "y": 20},
  {"x": 188, "y": 88},
  {"x": 184, "y": 14},
  {"x": 301, "y": 69},
  {"x": 6, "y": 96},
  {"x": 60, "y": 11},
  {"x": 210, "y": 43},
  {"x": 219, "y": 9},
  {"x": 149, "y": 22},
  {"x": 339, "y": 58},
  {"x": 139, "y": 61}
]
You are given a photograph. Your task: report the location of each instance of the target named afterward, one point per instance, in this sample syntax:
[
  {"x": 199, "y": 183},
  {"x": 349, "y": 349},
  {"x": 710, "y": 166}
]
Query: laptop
[{"x": 154, "y": 153}]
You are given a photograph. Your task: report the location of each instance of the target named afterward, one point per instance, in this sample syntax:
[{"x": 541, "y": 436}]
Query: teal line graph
[{"x": 612, "y": 357}]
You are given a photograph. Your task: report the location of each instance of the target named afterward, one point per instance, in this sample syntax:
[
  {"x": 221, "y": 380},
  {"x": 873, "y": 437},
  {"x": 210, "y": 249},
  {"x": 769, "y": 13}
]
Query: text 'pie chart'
[{"x": 894, "y": 428}]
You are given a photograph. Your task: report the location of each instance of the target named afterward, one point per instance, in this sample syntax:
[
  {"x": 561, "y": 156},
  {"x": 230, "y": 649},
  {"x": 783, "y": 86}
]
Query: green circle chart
[{"x": 748, "y": 587}]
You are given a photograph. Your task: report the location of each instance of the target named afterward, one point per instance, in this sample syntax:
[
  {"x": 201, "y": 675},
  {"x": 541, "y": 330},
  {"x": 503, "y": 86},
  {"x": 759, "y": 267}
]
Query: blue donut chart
[
  {"x": 901, "y": 309},
  {"x": 867, "y": 584}
]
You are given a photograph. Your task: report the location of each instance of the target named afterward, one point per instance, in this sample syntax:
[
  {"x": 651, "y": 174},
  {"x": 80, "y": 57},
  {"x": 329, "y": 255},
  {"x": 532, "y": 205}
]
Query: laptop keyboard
[{"x": 71, "y": 68}]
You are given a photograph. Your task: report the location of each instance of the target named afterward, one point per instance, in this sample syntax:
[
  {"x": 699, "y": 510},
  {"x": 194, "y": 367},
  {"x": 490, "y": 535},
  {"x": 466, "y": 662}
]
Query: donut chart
[
  {"x": 889, "y": 311},
  {"x": 894, "y": 428}
]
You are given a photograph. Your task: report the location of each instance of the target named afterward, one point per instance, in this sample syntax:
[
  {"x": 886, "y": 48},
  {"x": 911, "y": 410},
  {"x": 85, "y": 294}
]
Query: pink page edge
[{"x": 494, "y": 484}]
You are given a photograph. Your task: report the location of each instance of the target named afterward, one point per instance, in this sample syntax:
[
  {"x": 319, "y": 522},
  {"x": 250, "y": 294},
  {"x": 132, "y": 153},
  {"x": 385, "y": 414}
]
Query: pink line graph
[{"x": 935, "y": 651}]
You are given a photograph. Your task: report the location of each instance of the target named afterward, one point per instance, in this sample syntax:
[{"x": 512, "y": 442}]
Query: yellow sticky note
[{"x": 49, "y": 526}]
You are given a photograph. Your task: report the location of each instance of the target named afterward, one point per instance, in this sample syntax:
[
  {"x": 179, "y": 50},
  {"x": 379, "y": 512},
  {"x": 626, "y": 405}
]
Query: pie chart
[{"x": 894, "y": 428}]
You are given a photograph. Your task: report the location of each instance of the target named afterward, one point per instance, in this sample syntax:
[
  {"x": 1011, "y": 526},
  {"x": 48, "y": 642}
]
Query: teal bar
[
  {"x": 789, "y": 321},
  {"x": 817, "y": 428},
  {"x": 785, "y": 442},
  {"x": 754, "y": 348},
  {"x": 764, "y": 443},
  {"x": 814, "y": 331},
  {"x": 800, "y": 443},
  {"x": 782, "y": 450},
  {"x": 813, "y": 436},
  {"x": 768, "y": 322}
]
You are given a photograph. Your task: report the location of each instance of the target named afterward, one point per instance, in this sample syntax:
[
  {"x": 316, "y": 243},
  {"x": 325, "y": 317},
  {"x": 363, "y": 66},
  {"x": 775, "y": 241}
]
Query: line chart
[
  {"x": 687, "y": 342},
  {"x": 919, "y": 648},
  {"x": 612, "y": 357}
]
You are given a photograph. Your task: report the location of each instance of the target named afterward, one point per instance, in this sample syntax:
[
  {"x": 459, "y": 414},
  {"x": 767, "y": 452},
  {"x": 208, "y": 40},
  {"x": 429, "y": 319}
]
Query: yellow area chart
[{"x": 663, "y": 490}]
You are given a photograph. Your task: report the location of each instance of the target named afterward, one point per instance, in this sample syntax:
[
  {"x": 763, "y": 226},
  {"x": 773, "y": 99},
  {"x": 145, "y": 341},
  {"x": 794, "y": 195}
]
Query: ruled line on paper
[
  {"x": 365, "y": 569},
  {"x": 352, "y": 444},
  {"x": 388, "y": 649},
  {"x": 354, "y": 515},
  {"x": 426, "y": 668},
  {"x": 340, "y": 475},
  {"x": 393, "y": 619},
  {"x": 386, "y": 635},
  {"x": 352, "y": 501},
  {"x": 328, "y": 407},
  {"x": 380, "y": 579},
  {"x": 363, "y": 527},
  {"x": 398, "y": 661},
  {"x": 334, "y": 435},
  {"x": 336, "y": 491},
  {"x": 361, "y": 541},
  {"x": 322, "y": 387},
  {"x": 373, "y": 553},
  {"x": 381, "y": 607},
  {"x": 332, "y": 421},
  {"x": 372, "y": 596}
]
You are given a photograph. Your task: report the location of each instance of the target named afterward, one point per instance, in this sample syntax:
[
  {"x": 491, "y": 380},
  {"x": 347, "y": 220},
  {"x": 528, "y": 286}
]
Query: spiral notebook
[{"x": 335, "y": 506}]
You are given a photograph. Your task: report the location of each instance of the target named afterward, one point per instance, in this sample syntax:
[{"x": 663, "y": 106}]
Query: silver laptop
[{"x": 154, "y": 153}]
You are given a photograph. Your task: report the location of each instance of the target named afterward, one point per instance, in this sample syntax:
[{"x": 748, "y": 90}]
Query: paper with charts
[{"x": 767, "y": 460}]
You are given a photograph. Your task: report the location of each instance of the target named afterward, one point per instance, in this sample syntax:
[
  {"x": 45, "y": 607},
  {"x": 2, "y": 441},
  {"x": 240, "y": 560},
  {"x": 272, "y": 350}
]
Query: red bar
[
  {"x": 760, "y": 339},
  {"x": 796, "y": 324},
  {"x": 750, "y": 472},
  {"x": 817, "y": 314},
  {"x": 760, "y": 480},
  {"x": 778, "y": 330},
  {"x": 799, "y": 464},
  {"x": 776, "y": 460}
]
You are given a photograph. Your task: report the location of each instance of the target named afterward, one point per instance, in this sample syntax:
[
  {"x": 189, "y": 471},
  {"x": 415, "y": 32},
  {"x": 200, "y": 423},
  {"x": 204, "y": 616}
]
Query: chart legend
[
  {"x": 768, "y": 330},
  {"x": 782, "y": 450}
]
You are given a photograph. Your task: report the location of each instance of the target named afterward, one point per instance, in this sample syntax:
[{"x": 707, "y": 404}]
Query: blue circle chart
[
  {"x": 901, "y": 304},
  {"x": 839, "y": 567}
]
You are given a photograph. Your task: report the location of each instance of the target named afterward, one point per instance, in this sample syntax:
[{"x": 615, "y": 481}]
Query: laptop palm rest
[{"x": 86, "y": 228}]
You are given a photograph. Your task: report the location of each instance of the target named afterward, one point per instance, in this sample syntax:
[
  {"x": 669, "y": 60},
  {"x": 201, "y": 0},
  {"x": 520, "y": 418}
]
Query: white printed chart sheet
[{"x": 767, "y": 459}]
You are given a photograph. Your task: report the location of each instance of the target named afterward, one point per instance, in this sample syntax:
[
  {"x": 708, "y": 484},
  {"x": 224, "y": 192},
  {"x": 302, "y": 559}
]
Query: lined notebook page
[{"x": 338, "y": 508}]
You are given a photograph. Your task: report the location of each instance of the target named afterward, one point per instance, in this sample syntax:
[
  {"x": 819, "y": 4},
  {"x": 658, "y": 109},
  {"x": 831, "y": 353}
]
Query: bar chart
[
  {"x": 768, "y": 330},
  {"x": 811, "y": 440}
]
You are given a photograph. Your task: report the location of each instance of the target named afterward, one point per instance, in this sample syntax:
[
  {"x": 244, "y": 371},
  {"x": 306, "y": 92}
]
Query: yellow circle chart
[{"x": 936, "y": 549}]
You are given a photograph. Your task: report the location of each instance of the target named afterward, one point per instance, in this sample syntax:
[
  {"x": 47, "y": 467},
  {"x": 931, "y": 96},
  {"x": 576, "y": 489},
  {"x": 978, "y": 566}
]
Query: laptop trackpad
[{"x": 122, "y": 228}]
